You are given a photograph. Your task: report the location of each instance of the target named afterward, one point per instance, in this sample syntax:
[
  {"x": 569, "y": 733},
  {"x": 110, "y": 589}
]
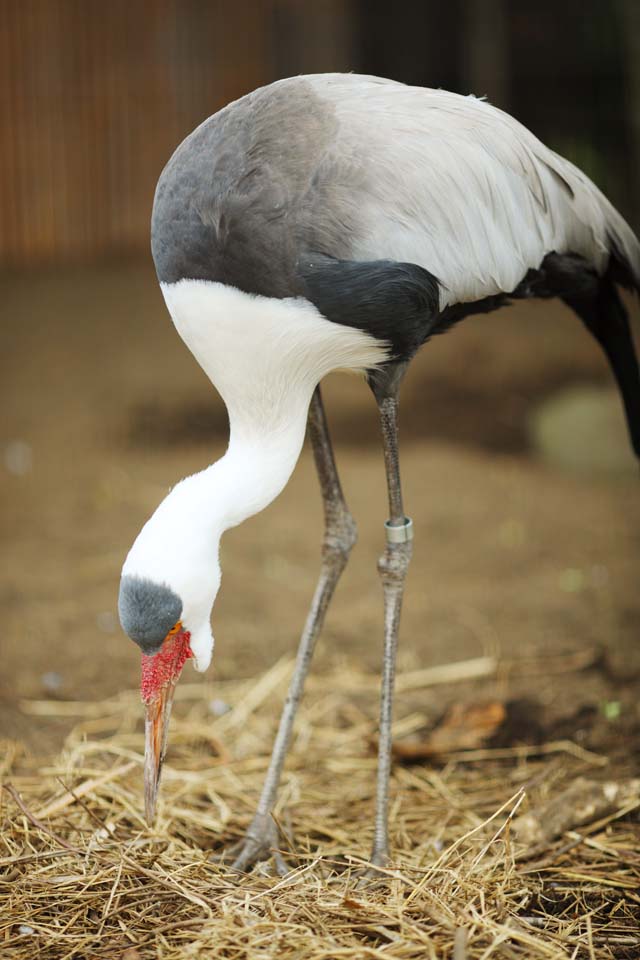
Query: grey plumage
[
  {"x": 230, "y": 204},
  {"x": 147, "y": 611},
  {"x": 363, "y": 169}
]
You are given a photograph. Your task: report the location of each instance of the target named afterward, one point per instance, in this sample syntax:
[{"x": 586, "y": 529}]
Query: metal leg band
[{"x": 399, "y": 534}]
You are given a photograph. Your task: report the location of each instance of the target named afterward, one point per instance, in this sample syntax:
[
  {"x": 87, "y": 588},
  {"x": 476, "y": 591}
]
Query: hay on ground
[{"x": 82, "y": 876}]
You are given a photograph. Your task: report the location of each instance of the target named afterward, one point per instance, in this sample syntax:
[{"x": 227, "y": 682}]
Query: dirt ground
[
  {"x": 104, "y": 409},
  {"x": 515, "y": 558}
]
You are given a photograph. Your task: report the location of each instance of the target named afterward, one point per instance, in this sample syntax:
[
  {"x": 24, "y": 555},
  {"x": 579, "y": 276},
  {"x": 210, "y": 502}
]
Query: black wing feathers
[{"x": 394, "y": 302}]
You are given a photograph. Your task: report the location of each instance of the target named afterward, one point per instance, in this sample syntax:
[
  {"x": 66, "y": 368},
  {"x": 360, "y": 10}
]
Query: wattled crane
[{"x": 339, "y": 221}]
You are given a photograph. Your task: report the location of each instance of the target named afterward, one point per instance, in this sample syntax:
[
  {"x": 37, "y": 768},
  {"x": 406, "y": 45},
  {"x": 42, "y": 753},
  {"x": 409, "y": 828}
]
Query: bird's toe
[
  {"x": 258, "y": 846},
  {"x": 377, "y": 873}
]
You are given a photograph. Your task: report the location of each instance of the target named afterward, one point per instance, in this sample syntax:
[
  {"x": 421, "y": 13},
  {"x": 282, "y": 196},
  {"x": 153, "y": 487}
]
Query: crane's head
[{"x": 169, "y": 583}]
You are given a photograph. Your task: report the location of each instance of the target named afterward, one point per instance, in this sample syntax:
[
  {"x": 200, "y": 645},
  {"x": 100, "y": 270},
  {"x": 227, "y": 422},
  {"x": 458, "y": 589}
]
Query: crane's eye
[{"x": 176, "y": 628}]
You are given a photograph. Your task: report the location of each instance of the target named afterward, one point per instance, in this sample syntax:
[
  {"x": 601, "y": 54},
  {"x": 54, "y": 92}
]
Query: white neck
[
  {"x": 186, "y": 528},
  {"x": 255, "y": 468},
  {"x": 265, "y": 357}
]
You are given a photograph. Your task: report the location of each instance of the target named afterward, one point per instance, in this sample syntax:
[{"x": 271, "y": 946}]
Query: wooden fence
[{"x": 95, "y": 95}]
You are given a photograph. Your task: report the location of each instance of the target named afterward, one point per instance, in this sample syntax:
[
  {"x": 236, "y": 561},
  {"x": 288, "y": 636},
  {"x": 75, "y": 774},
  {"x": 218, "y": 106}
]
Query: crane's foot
[
  {"x": 259, "y": 845},
  {"x": 376, "y": 873}
]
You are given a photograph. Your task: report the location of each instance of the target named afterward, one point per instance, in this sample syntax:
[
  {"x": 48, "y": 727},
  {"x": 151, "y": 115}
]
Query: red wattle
[{"x": 165, "y": 666}]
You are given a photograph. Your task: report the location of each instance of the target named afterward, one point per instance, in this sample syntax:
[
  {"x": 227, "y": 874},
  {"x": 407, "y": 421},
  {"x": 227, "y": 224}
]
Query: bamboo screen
[{"x": 94, "y": 97}]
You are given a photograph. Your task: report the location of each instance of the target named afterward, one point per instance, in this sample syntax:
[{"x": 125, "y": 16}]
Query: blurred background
[{"x": 515, "y": 457}]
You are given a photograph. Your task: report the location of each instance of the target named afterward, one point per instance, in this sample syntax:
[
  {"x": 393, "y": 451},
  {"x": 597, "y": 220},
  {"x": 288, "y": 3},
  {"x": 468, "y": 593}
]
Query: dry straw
[{"x": 82, "y": 876}]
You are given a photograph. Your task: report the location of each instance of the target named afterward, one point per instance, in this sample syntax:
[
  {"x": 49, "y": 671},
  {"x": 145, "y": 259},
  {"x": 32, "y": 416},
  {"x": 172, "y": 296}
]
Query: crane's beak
[
  {"x": 156, "y": 729},
  {"x": 160, "y": 674}
]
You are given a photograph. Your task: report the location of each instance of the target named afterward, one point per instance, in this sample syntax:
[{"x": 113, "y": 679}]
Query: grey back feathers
[
  {"x": 147, "y": 611},
  {"x": 323, "y": 185},
  {"x": 232, "y": 203}
]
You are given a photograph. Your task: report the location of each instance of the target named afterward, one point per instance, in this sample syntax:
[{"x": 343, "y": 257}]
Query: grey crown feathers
[{"x": 147, "y": 611}]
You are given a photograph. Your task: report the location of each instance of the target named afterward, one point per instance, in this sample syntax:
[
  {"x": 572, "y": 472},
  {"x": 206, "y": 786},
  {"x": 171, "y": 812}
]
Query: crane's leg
[
  {"x": 339, "y": 538},
  {"x": 392, "y": 567}
]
